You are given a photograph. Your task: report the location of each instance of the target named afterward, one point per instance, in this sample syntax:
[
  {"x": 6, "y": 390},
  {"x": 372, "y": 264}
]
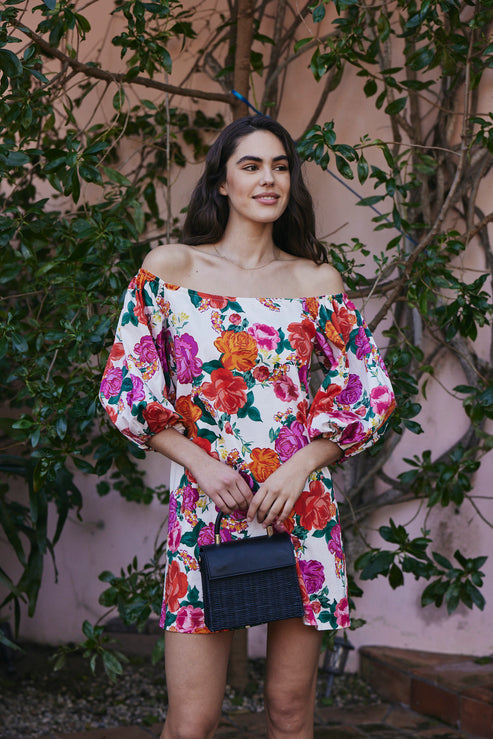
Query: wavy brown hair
[{"x": 208, "y": 212}]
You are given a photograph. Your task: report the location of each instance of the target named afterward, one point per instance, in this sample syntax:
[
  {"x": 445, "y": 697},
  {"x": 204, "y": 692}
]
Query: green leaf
[
  {"x": 116, "y": 176},
  {"x": 396, "y": 106},
  {"x": 302, "y": 42},
  {"x": 442, "y": 561},
  {"x": 396, "y": 578},
  {"x": 17, "y": 158},
  {"x": 10, "y": 64},
  {"x": 344, "y": 168},
  {"x": 370, "y": 88},
  {"x": 362, "y": 169},
  {"x": 119, "y": 99},
  {"x": 318, "y": 13}
]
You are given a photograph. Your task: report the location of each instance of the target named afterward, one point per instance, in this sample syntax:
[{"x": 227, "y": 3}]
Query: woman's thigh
[
  {"x": 293, "y": 653},
  {"x": 196, "y": 667}
]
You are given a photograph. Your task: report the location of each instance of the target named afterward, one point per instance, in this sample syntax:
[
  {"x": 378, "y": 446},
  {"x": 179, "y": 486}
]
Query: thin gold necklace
[{"x": 247, "y": 269}]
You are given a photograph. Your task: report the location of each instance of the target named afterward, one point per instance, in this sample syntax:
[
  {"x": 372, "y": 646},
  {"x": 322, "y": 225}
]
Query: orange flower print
[
  {"x": 227, "y": 392},
  {"x": 239, "y": 350},
  {"x": 263, "y": 462},
  {"x": 311, "y": 306},
  {"x": 301, "y": 337},
  {"x": 338, "y": 329},
  {"x": 176, "y": 586},
  {"x": 314, "y": 507},
  {"x": 189, "y": 412}
]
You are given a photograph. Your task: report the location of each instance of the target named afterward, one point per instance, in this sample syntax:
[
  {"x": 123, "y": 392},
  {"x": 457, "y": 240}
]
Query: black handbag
[{"x": 249, "y": 581}]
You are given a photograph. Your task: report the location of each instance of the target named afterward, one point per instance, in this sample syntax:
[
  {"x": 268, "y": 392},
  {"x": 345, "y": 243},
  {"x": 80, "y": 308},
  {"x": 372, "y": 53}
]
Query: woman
[{"x": 210, "y": 368}]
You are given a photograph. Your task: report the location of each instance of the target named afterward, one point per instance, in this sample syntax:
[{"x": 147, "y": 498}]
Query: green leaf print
[
  {"x": 193, "y": 598},
  {"x": 189, "y": 539},
  {"x": 129, "y": 316},
  {"x": 209, "y": 367}
]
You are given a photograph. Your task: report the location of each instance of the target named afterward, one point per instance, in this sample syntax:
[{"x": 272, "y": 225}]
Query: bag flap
[{"x": 244, "y": 556}]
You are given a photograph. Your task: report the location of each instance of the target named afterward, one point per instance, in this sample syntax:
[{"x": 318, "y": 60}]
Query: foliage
[{"x": 85, "y": 160}]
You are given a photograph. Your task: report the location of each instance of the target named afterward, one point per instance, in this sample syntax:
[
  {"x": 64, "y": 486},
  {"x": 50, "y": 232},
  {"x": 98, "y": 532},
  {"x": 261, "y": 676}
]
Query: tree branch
[
  {"x": 443, "y": 210},
  {"x": 121, "y": 78}
]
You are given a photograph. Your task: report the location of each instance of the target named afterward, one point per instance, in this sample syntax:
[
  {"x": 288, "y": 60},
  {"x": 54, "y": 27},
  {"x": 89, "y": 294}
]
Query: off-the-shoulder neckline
[{"x": 201, "y": 293}]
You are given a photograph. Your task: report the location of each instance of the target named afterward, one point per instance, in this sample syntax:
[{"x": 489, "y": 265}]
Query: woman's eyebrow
[{"x": 251, "y": 158}]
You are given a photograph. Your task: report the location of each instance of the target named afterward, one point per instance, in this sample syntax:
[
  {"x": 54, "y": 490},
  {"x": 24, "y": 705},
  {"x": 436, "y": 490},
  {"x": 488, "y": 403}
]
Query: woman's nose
[{"x": 267, "y": 176}]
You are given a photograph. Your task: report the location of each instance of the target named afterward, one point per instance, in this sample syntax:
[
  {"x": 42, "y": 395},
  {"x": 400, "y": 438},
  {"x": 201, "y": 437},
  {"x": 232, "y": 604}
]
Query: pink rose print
[
  {"x": 381, "y": 399},
  {"x": 362, "y": 343},
  {"x": 285, "y": 389},
  {"x": 146, "y": 350},
  {"x": 309, "y": 617},
  {"x": 267, "y": 337},
  {"x": 325, "y": 349},
  {"x": 290, "y": 439},
  {"x": 188, "y": 365},
  {"x": 190, "y": 496},
  {"x": 206, "y": 535},
  {"x": 137, "y": 392},
  {"x": 342, "y": 613},
  {"x": 313, "y": 575},
  {"x": 352, "y": 392},
  {"x": 174, "y": 536},
  {"x": 112, "y": 382},
  {"x": 171, "y": 511},
  {"x": 335, "y": 543},
  {"x": 353, "y": 433},
  {"x": 235, "y": 319},
  {"x": 189, "y": 619}
]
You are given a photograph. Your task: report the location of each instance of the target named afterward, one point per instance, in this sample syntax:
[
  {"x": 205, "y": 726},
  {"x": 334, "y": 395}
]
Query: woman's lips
[{"x": 267, "y": 197}]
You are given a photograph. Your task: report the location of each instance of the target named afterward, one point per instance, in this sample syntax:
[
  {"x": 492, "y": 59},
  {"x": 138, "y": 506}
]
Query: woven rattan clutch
[{"x": 249, "y": 581}]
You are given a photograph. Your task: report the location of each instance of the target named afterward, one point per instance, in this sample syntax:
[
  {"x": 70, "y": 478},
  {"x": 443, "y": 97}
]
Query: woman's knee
[
  {"x": 288, "y": 713},
  {"x": 190, "y": 726}
]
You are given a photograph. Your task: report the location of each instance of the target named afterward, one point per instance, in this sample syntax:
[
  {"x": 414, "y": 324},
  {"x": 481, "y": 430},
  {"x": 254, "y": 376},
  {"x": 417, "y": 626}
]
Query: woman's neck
[{"x": 248, "y": 246}]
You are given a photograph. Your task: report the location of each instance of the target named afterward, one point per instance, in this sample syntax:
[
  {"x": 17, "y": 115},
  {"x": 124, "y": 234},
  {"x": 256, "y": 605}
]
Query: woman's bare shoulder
[
  {"x": 321, "y": 279},
  {"x": 169, "y": 261}
]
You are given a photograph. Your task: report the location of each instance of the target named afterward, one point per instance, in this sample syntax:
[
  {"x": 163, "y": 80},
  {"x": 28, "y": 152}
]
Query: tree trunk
[
  {"x": 238, "y": 663},
  {"x": 244, "y": 36}
]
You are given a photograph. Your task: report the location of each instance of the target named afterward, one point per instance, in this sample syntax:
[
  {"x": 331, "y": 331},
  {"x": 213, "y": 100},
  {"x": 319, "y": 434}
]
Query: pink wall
[{"x": 113, "y": 531}]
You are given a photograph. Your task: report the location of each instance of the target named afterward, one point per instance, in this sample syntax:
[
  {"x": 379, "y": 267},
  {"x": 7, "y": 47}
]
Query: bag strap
[{"x": 217, "y": 528}]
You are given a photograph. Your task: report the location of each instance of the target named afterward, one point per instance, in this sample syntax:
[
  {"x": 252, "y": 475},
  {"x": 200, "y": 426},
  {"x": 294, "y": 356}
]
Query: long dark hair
[{"x": 208, "y": 212}]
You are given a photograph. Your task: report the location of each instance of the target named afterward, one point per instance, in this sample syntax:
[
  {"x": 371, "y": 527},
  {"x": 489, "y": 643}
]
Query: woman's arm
[
  {"x": 277, "y": 496},
  {"x": 224, "y": 485}
]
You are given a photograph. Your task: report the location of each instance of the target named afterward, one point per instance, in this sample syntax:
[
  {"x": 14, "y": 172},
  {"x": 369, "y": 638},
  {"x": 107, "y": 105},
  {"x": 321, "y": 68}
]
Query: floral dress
[{"x": 233, "y": 375}]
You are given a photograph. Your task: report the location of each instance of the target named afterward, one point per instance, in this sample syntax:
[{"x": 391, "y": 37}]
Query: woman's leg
[
  {"x": 293, "y": 652},
  {"x": 196, "y": 667}
]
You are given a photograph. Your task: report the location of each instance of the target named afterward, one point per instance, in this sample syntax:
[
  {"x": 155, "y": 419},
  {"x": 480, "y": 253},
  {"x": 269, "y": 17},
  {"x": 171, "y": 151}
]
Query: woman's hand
[
  {"x": 277, "y": 496},
  {"x": 224, "y": 485}
]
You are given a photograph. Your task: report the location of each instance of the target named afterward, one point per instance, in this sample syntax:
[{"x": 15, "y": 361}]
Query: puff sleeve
[
  {"x": 355, "y": 399},
  {"x": 137, "y": 390}
]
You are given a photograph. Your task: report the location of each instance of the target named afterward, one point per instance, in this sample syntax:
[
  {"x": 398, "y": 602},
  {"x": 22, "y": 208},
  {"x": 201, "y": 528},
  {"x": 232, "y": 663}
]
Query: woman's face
[{"x": 257, "y": 178}]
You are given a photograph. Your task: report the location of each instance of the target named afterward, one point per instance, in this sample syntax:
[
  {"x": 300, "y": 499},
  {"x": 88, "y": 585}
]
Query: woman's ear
[{"x": 222, "y": 189}]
